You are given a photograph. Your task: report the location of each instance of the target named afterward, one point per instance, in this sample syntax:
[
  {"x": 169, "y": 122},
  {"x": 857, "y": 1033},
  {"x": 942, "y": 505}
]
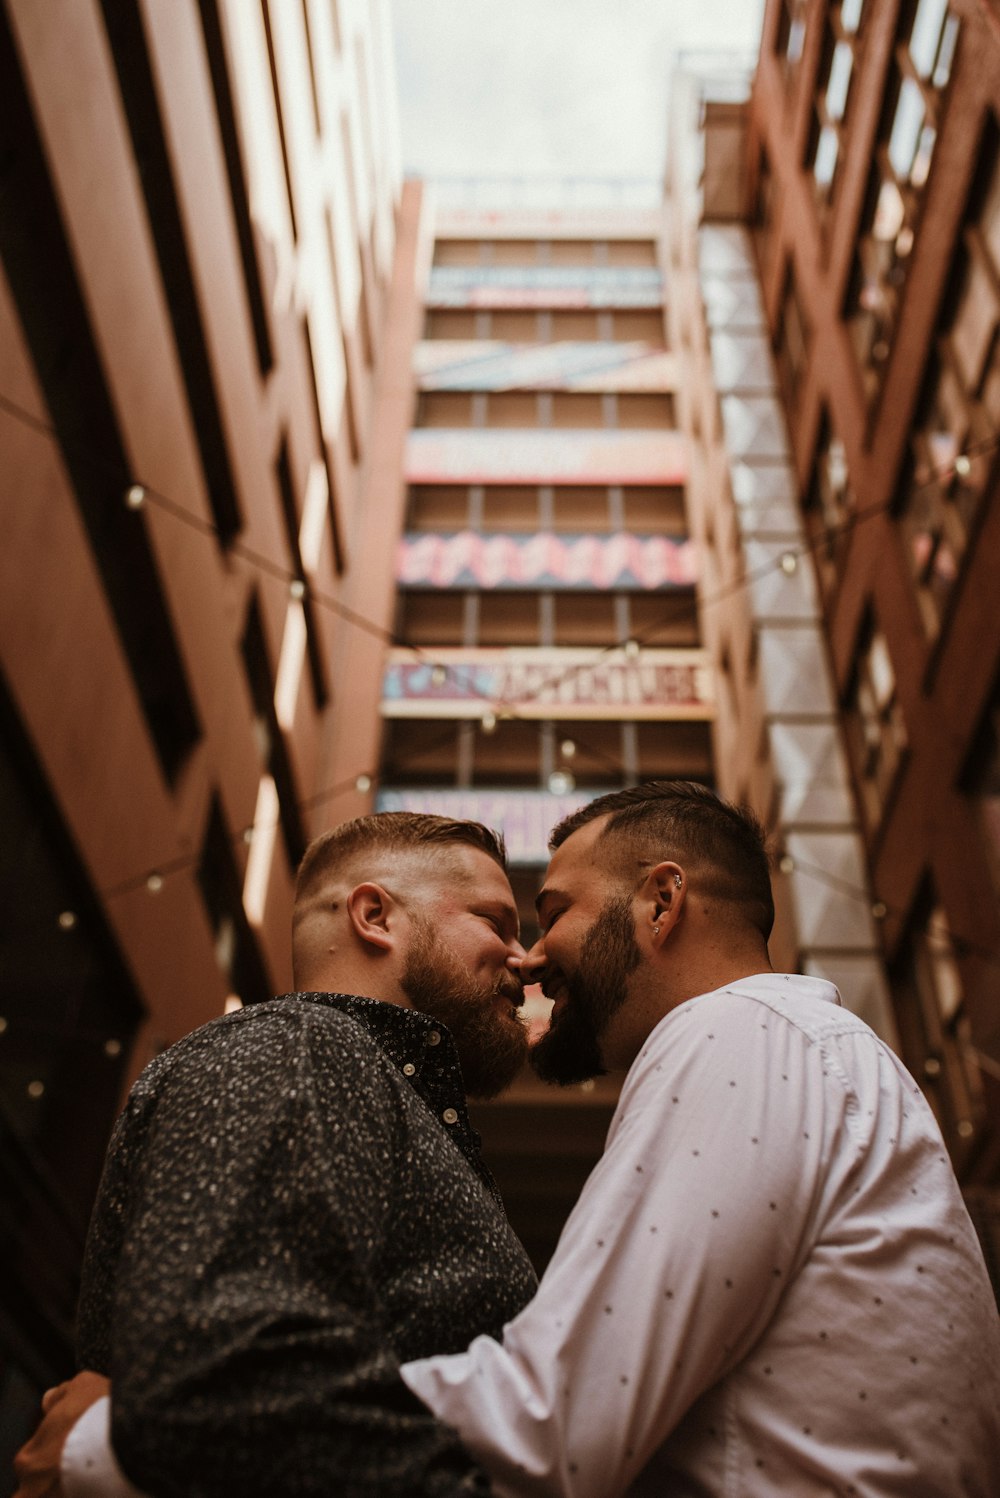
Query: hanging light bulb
[
  {"x": 154, "y": 883},
  {"x": 363, "y": 783},
  {"x": 963, "y": 466},
  {"x": 488, "y": 722},
  {"x": 439, "y": 675},
  {"x": 567, "y": 748},
  {"x": 135, "y": 496},
  {"x": 297, "y": 588},
  {"x": 789, "y": 563},
  {"x": 67, "y": 920}
]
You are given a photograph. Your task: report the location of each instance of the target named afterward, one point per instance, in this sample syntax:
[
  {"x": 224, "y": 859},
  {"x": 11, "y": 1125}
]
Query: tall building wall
[
  {"x": 843, "y": 267},
  {"x": 202, "y": 236},
  {"x": 875, "y": 178}
]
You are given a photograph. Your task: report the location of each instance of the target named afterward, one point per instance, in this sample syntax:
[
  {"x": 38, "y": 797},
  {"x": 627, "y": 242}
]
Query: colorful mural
[
  {"x": 454, "y": 364},
  {"x": 539, "y": 682},
  {"x": 461, "y": 455},
  {"x": 542, "y": 559}
]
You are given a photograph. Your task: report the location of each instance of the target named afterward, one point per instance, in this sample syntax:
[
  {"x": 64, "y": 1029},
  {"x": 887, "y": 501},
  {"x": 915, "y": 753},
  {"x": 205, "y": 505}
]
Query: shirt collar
[
  {"x": 423, "y": 1050},
  {"x": 786, "y": 985}
]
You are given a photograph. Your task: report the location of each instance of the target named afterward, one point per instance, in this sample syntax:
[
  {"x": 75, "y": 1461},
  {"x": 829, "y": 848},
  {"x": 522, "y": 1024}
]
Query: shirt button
[
  {"x": 409, "y": 1069},
  {"x": 434, "y": 1037},
  {"x": 450, "y": 1116}
]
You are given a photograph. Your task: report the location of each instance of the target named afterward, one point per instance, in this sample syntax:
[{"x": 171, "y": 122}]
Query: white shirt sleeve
[
  {"x": 89, "y": 1468},
  {"x": 670, "y": 1266}
]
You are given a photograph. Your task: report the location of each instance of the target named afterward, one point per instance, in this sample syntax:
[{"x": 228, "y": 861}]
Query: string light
[
  {"x": 138, "y": 495},
  {"x": 112, "y": 1048},
  {"x": 36, "y": 1089},
  {"x": 297, "y": 588},
  {"x": 567, "y": 748},
  {"x": 561, "y": 782},
  {"x": 67, "y": 920},
  {"x": 880, "y": 910}
]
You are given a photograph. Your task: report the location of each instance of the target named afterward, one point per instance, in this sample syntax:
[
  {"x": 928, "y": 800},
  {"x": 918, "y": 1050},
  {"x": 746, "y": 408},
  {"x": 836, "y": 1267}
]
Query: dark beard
[
  {"x": 489, "y": 1035},
  {"x": 570, "y": 1050}
]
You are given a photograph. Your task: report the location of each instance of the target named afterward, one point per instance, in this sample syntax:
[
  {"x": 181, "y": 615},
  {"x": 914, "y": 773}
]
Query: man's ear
[
  {"x": 661, "y": 900},
  {"x": 373, "y": 913}
]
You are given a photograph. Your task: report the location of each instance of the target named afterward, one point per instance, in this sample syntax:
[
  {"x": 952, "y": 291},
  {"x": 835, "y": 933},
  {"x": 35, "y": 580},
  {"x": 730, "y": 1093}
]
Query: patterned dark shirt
[{"x": 293, "y": 1204}]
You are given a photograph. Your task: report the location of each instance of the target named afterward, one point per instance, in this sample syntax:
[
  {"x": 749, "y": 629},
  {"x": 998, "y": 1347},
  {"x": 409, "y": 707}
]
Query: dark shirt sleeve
[{"x": 248, "y": 1350}]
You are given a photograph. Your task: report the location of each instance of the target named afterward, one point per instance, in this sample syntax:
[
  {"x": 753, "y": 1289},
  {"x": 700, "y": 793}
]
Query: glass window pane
[
  {"x": 889, "y": 211},
  {"x": 796, "y": 38},
  {"x": 926, "y": 34},
  {"x": 882, "y": 675},
  {"x": 946, "y": 53},
  {"x": 825, "y": 163},
  {"x": 906, "y": 126},
  {"x": 840, "y": 81},
  {"x": 922, "y": 161},
  {"x": 850, "y": 14}
]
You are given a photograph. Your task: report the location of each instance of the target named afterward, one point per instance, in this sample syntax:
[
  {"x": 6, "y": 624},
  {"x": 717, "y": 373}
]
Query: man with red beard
[
  {"x": 294, "y": 1202},
  {"x": 770, "y": 1283}
]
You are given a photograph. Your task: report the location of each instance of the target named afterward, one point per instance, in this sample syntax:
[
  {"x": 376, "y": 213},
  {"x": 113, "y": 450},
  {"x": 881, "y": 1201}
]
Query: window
[
  {"x": 875, "y": 729},
  {"x": 910, "y": 120},
  {"x": 829, "y": 507},
  {"x": 981, "y": 783},
  {"x": 836, "y": 75},
  {"x": 790, "y": 37},
  {"x": 951, "y": 446},
  {"x": 933, "y": 1024},
  {"x": 236, "y": 948},
  {"x": 765, "y": 209},
  {"x": 291, "y": 517},
  {"x": 270, "y": 739},
  {"x": 793, "y": 338}
]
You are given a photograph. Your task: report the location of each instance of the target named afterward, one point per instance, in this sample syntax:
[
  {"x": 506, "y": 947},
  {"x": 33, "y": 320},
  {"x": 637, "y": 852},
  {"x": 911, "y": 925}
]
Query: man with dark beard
[
  {"x": 294, "y": 1201},
  {"x": 770, "y": 1284}
]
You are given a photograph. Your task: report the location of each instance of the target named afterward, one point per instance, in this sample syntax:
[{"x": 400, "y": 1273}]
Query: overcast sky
[{"x": 549, "y": 87}]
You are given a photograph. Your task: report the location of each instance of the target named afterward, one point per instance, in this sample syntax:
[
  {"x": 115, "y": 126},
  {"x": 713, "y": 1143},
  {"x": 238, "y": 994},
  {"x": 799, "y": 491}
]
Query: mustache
[{"x": 509, "y": 986}]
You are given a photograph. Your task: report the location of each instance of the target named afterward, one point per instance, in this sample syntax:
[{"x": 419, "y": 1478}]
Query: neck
[
  {"x": 660, "y": 986},
  {"x": 363, "y": 983}
]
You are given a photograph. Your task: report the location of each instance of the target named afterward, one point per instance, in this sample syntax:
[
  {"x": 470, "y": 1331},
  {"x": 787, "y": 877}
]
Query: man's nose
[
  {"x": 533, "y": 965},
  {"x": 515, "y": 955}
]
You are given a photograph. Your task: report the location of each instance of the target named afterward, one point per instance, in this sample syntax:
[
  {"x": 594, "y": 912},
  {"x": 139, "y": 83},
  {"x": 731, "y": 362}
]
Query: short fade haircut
[
  {"x": 392, "y": 832},
  {"x": 684, "y": 820}
]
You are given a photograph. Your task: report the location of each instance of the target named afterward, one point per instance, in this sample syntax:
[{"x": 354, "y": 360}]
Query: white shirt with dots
[{"x": 770, "y": 1284}]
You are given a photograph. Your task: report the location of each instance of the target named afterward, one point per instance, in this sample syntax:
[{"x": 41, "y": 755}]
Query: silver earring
[
  {"x": 656, "y": 930},
  {"x": 678, "y": 880}
]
